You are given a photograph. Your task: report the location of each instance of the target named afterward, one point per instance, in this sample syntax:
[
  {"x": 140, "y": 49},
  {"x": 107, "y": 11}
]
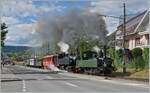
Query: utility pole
[
  {"x": 48, "y": 50},
  {"x": 124, "y": 38},
  {"x": 124, "y": 34}
]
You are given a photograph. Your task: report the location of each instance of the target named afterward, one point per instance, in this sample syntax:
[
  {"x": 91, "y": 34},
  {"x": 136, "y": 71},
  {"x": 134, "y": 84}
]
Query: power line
[
  {"x": 110, "y": 16},
  {"x": 119, "y": 17}
]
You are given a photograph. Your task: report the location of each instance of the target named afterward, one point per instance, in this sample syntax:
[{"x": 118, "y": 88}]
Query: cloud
[
  {"x": 17, "y": 15},
  {"x": 26, "y": 27},
  {"x": 25, "y": 8},
  {"x": 9, "y": 20},
  {"x": 115, "y": 8},
  {"x": 20, "y": 34},
  {"x": 106, "y": 7},
  {"x": 17, "y": 7}
]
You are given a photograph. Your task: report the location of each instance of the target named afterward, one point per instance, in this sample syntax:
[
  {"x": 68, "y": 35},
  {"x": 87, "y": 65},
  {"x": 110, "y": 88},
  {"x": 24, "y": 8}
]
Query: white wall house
[{"x": 137, "y": 32}]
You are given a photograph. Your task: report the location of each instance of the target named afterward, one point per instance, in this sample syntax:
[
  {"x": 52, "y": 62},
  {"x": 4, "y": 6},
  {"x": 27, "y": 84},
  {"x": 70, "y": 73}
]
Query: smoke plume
[{"x": 70, "y": 27}]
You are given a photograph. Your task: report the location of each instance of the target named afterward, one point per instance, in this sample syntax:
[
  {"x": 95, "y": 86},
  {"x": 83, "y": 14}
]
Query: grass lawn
[
  {"x": 143, "y": 74},
  {"x": 132, "y": 74},
  {"x": 20, "y": 63}
]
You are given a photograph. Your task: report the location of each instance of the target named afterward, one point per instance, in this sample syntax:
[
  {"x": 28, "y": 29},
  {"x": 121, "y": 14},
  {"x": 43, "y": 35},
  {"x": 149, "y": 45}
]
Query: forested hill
[{"x": 8, "y": 49}]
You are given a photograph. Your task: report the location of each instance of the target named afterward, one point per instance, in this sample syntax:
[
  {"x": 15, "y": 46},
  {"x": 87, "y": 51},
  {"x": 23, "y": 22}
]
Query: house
[{"x": 137, "y": 32}]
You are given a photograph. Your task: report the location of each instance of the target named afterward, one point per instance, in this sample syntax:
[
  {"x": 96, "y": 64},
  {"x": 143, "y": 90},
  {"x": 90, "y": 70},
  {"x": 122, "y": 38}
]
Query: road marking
[
  {"x": 48, "y": 77},
  {"x": 23, "y": 86},
  {"x": 124, "y": 83},
  {"x": 70, "y": 84},
  {"x": 61, "y": 73},
  {"x": 39, "y": 79},
  {"x": 117, "y": 82},
  {"x": 110, "y": 81},
  {"x": 138, "y": 85},
  {"x": 78, "y": 81}
]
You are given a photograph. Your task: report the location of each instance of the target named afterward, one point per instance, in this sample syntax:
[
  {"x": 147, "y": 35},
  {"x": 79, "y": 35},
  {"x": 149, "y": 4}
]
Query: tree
[
  {"x": 4, "y": 31},
  {"x": 87, "y": 44}
]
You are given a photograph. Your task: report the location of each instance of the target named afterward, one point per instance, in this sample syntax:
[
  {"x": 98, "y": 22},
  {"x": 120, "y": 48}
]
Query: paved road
[{"x": 22, "y": 79}]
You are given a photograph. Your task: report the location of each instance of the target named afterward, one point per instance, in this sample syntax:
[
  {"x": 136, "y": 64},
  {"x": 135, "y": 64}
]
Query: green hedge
[
  {"x": 116, "y": 55},
  {"x": 119, "y": 58},
  {"x": 136, "y": 52},
  {"x": 146, "y": 57},
  {"x": 140, "y": 58}
]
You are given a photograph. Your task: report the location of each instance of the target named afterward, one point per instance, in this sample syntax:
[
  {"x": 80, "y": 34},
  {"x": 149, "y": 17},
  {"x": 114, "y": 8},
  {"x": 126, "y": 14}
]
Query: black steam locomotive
[{"x": 89, "y": 62}]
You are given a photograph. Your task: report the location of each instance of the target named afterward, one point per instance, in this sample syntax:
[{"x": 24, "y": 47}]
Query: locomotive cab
[
  {"x": 87, "y": 63},
  {"x": 94, "y": 63}
]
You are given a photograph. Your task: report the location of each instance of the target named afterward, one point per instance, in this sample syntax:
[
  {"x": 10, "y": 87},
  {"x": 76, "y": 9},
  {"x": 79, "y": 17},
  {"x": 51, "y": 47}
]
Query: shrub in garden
[
  {"x": 138, "y": 58},
  {"x": 111, "y": 52},
  {"x": 136, "y": 52},
  {"x": 146, "y": 56},
  {"x": 119, "y": 57},
  {"x": 120, "y": 53}
]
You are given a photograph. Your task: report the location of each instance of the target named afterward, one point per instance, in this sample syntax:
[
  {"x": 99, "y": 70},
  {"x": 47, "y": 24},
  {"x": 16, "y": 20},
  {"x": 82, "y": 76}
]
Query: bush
[
  {"x": 111, "y": 52},
  {"x": 146, "y": 57},
  {"x": 138, "y": 58},
  {"x": 119, "y": 57},
  {"x": 119, "y": 53},
  {"x": 136, "y": 52}
]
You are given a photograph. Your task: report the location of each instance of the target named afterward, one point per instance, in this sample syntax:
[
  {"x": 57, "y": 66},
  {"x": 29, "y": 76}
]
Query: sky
[{"x": 21, "y": 16}]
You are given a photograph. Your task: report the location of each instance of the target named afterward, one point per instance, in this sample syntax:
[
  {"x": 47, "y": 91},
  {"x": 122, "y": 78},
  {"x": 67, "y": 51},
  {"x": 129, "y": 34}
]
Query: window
[
  {"x": 147, "y": 38},
  {"x": 119, "y": 43},
  {"x": 137, "y": 42},
  {"x": 127, "y": 43}
]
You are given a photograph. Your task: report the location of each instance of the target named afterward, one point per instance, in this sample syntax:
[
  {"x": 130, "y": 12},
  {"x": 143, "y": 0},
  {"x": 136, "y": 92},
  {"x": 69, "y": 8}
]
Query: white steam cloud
[
  {"x": 96, "y": 49},
  {"x": 63, "y": 46}
]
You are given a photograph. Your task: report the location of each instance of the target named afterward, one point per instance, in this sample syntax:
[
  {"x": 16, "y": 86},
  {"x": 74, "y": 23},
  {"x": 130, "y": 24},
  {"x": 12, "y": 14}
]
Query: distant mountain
[{"x": 9, "y": 49}]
